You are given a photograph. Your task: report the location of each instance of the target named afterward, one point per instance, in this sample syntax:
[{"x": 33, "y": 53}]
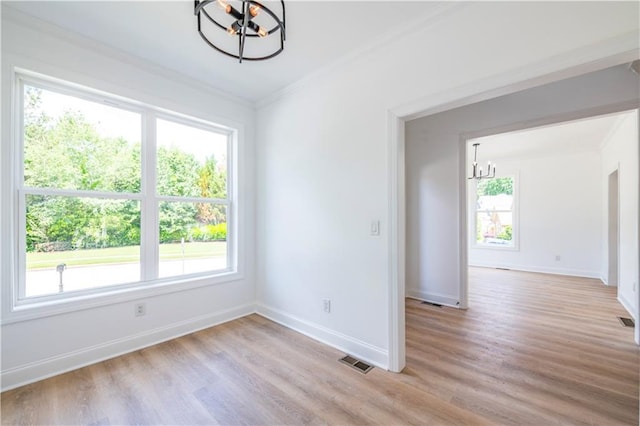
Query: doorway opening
[
  {"x": 543, "y": 212},
  {"x": 429, "y": 235}
]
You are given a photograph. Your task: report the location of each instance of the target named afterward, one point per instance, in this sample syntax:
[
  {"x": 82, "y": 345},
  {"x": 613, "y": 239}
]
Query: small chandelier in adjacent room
[
  {"x": 477, "y": 171},
  {"x": 243, "y": 29}
]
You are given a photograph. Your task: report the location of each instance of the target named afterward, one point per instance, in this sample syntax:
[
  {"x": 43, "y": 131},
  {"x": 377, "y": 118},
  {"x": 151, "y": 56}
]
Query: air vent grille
[
  {"x": 627, "y": 322},
  {"x": 356, "y": 364},
  {"x": 437, "y": 305}
]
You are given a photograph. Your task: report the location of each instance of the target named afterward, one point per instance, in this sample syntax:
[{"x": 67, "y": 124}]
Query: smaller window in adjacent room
[{"x": 495, "y": 212}]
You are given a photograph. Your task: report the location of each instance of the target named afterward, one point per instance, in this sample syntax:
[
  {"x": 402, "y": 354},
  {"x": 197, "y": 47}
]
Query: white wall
[
  {"x": 434, "y": 145},
  {"x": 41, "y": 347},
  {"x": 620, "y": 152},
  {"x": 324, "y": 160},
  {"x": 559, "y": 213}
]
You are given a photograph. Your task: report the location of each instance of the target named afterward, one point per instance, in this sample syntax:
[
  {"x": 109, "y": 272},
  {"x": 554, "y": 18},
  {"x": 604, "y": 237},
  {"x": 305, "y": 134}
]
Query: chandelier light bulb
[
  {"x": 224, "y": 6},
  {"x": 233, "y": 29},
  {"x": 254, "y": 10},
  {"x": 261, "y": 31}
]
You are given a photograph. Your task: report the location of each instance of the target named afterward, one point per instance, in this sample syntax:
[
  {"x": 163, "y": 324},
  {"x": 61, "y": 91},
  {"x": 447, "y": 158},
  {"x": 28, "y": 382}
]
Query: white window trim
[
  {"x": 15, "y": 309},
  {"x": 515, "y": 231}
]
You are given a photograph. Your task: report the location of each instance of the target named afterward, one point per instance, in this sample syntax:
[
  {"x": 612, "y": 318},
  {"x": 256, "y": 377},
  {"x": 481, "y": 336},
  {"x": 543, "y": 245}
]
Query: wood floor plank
[{"x": 531, "y": 349}]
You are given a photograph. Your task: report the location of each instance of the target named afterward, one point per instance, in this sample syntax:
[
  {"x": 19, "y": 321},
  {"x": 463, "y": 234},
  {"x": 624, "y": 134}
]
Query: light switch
[{"x": 375, "y": 227}]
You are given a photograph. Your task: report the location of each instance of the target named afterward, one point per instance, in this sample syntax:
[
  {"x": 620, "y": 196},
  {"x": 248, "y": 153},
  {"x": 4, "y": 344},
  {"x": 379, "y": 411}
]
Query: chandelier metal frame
[
  {"x": 241, "y": 25},
  {"x": 477, "y": 171}
]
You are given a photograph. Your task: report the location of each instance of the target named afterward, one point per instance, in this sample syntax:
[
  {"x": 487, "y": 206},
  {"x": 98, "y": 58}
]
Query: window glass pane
[
  {"x": 193, "y": 238},
  {"x": 495, "y": 228},
  {"x": 191, "y": 162},
  {"x": 98, "y": 241},
  {"x": 494, "y": 207},
  {"x": 71, "y": 143}
]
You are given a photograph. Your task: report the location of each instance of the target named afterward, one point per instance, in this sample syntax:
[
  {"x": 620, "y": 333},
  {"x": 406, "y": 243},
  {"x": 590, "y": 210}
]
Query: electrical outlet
[
  {"x": 326, "y": 305},
  {"x": 558, "y": 258},
  {"x": 140, "y": 309}
]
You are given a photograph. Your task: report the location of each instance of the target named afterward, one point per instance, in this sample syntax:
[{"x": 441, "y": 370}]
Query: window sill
[
  {"x": 36, "y": 310},
  {"x": 499, "y": 248}
]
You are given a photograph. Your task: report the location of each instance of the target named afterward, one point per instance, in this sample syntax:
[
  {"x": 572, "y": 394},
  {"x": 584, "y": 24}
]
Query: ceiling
[
  {"x": 164, "y": 33},
  {"x": 557, "y": 139}
]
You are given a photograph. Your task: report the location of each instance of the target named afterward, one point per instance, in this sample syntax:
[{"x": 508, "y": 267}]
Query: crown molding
[{"x": 440, "y": 12}]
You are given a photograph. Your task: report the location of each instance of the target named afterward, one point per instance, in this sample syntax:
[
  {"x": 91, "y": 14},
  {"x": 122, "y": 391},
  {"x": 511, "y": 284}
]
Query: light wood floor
[{"x": 532, "y": 349}]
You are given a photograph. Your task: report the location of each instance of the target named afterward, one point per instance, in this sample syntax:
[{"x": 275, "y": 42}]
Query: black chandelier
[
  {"x": 477, "y": 171},
  {"x": 242, "y": 19}
]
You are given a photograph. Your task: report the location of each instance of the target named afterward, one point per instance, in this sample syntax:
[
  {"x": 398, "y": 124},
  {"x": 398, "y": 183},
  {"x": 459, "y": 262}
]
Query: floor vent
[
  {"x": 437, "y": 305},
  {"x": 352, "y": 362},
  {"x": 627, "y": 322}
]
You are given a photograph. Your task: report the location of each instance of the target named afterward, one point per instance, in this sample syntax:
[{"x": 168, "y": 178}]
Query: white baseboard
[
  {"x": 628, "y": 306},
  {"x": 541, "y": 269},
  {"x": 433, "y": 298},
  {"x": 29, "y": 373},
  {"x": 357, "y": 348}
]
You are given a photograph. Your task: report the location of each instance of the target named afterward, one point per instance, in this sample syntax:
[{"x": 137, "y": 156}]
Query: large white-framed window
[
  {"x": 114, "y": 195},
  {"x": 494, "y": 216}
]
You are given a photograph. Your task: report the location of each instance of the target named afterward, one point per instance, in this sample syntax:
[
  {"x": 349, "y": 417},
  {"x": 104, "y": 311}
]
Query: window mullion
[
  {"x": 232, "y": 179},
  {"x": 149, "y": 233},
  {"x": 19, "y": 197},
  {"x": 181, "y": 199},
  {"x": 81, "y": 193}
]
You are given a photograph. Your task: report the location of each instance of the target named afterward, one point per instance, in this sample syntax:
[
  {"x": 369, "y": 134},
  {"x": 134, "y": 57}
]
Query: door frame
[{"x": 615, "y": 239}]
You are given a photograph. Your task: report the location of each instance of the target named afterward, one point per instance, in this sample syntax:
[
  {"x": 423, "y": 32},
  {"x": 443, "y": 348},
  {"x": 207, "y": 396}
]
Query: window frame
[
  {"x": 21, "y": 307},
  {"x": 515, "y": 228}
]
